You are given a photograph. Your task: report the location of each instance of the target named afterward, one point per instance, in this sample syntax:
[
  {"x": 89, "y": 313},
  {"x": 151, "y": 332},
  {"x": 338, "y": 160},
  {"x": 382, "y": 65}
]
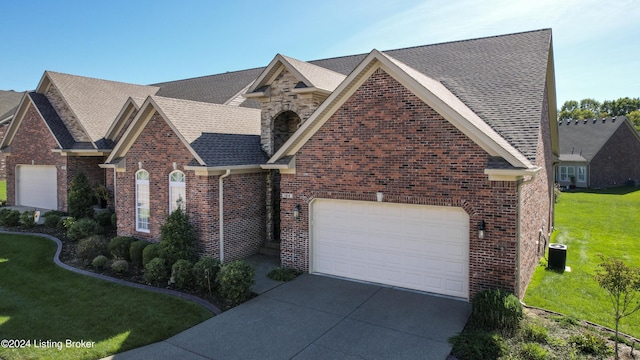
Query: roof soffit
[{"x": 427, "y": 89}]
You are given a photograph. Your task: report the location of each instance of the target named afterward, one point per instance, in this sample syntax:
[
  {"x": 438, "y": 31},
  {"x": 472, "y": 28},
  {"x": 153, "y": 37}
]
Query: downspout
[
  {"x": 115, "y": 199},
  {"x": 221, "y": 212},
  {"x": 518, "y": 226}
]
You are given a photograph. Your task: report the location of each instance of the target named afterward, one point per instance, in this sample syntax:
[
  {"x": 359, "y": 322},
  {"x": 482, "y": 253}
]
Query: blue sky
[{"x": 596, "y": 42}]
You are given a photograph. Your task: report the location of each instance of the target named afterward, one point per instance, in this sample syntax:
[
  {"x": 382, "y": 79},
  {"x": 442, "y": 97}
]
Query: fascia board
[
  {"x": 219, "y": 170},
  {"x": 128, "y": 107},
  {"x": 511, "y": 174}
]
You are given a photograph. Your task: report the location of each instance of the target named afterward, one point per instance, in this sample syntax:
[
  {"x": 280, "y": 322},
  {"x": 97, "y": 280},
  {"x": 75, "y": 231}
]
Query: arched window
[
  {"x": 142, "y": 201},
  {"x": 177, "y": 191}
]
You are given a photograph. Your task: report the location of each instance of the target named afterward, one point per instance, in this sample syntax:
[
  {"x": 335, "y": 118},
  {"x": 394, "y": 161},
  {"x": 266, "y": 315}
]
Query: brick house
[
  {"x": 9, "y": 101},
  {"x": 598, "y": 153},
  {"x": 429, "y": 168},
  {"x": 59, "y": 129}
]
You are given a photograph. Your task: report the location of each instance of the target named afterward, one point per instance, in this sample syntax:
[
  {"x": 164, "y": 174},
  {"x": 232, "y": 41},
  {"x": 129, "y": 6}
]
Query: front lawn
[
  {"x": 590, "y": 223},
  {"x": 3, "y": 190},
  {"x": 47, "y": 306}
]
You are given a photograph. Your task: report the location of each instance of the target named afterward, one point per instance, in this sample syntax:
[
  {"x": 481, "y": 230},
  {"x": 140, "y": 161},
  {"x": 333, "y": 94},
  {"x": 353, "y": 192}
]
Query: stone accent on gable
[
  {"x": 66, "y": 115},
  {"x": 385, "y": 139},
  {"x": 157, "y": 148}
]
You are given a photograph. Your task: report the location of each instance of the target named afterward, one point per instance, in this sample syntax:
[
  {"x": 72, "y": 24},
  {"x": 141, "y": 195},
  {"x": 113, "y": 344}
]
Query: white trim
[
  {"x": 182, "y": 185},
  {"x": 148, "y": 200}
]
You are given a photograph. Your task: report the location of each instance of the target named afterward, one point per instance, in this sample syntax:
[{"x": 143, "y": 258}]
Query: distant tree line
[{"x": 590, "y": 108}]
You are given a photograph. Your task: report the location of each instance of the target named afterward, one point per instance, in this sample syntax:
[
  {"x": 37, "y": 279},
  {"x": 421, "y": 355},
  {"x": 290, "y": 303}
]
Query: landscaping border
[{"x": 56, "y": 260}]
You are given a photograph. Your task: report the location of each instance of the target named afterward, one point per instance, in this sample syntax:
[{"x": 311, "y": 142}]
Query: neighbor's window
[
  {"x": 177, "y": 192},
  {"x": 582, "y": 174},
  {"x": 142, "y": 201},
  {"x": 566, "y": 172}
]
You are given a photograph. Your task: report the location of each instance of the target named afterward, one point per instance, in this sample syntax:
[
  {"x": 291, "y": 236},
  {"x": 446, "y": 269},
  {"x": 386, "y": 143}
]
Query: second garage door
[
  {"x": 412, "y": 246},
  {"x": 37, "y": 186}
]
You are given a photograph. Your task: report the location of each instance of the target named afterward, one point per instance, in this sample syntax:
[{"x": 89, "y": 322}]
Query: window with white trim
[
  {"x": 582, "y": 173},
  {"x": 177, "y": 191},
  {"x": 566, "y": 172},
  {"x": 142, "y": 201}
]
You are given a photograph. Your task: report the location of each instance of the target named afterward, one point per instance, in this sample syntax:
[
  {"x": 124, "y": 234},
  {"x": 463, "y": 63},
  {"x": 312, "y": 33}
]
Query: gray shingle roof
[
  {"x": 59, "y": 130},
  {"x": 229, "y": 149},
  {"x": 583, "y": 139}
]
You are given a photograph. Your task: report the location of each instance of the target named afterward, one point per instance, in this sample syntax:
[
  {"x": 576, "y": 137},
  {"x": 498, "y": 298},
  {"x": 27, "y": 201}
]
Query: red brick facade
[
  {"x": 385, "y": 139},
  {"x": 156, "y": 150},
  {"x": 32, "y": 145}
]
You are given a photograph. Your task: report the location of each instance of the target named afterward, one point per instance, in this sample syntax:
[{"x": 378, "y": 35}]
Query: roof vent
[
  {"x": 604, "y": 120},
  {"x": 577, "y": 121},
  {"x": 585, "y": 121},
  {"x": 594, "y": 120},
  {"x": 613, "y": 119}
]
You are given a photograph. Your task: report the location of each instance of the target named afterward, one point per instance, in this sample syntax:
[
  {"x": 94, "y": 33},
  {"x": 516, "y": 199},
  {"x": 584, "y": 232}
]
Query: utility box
[{"x": 557, "y": 257}]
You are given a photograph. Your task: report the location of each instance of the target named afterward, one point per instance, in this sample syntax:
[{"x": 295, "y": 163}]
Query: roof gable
[
  {"x": 198, "y": 125},
  {"x": 429, "y": 90},
  {"x": 9, "y": 101},
  {"x": 311, "y": 76},
  {"x": 95, "y": 103},
  {"x": 583, "y": 139}
]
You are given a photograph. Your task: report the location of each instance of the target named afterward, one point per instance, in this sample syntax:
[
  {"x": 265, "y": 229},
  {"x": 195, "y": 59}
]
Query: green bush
[
  {"x": 53, "y": 212},
  {"x": 80, "y": 197},
  {"x": 119, "y": 247},
  {"x": 104, "y": 218},
  {"x": 27, "y": 219},
  {"x": 9, "y": 217},
  {"x": 177, "y": 238},
  {"x": 150, "y": 252},
  {"x": 205, "y": 272},
  {"x": 120, "y": 266},
  {"x": 90, "y": 247},
  {"x": 51, "y": 221},
  {"x": 534, "y": 332},
  {"x": 533, "y": 351},
  {"x": 99, "y": 262},
  {"x": 181, "y": 273},
  {"x": 114, "y": 220},
  {"x": 588, "y": 343},
  {"x": 283, "y": 274},
  {"x": 156, "y": 271},
  {"x": 496, "y": 310},
  {"x": 67, "y": 221},
  {"x": 478, "y": 345},
  {"x": 235, "y": 280},
  {"x": 83, "y": 228},
  {"x": 135, "y": 251}
]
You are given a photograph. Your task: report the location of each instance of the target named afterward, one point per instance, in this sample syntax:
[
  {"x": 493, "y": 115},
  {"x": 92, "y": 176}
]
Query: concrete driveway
[{"x": 318, "y": 317}]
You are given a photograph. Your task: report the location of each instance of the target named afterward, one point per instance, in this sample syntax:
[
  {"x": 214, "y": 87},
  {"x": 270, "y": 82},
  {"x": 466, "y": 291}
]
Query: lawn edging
[{"x": 174, "y": 293}]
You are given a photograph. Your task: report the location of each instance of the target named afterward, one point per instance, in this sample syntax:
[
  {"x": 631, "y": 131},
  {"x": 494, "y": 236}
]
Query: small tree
[
  {"x": 177, "y": 238},
  {"x": 623, "y": 285},
  {"x": 81, "y": 197}
]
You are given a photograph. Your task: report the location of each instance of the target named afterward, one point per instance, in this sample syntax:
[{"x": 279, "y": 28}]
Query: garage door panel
[
  {"x": 36, "y": 186},
  {"x": 413, "y": 246}
]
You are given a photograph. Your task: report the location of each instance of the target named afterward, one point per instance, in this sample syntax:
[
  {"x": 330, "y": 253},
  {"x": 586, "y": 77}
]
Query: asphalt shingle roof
[
  {"x": 9, "y": 101},
  {"x": 229, "y": 149},
  {"x": 50, "y": 116},
  {"x": 581, "y": 140}
]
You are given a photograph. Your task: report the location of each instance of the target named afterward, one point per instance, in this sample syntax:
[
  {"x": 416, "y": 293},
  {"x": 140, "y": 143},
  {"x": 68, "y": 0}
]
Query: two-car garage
[
  {"x": 418, "y": 247},
  {"x": 36, "y": 186}
]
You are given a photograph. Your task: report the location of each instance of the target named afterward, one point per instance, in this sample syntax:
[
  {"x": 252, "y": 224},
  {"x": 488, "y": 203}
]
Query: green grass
[
  {"x": 40, "y": 301},
  {"x": 590, "y": 223},
  {"x": 3, "y": 190}
]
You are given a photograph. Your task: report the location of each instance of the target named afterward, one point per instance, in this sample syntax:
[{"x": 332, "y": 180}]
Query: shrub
[
  {"x": 150, "y": 252},
  {"x": 27, "y": 219},
  {"x": 104, "y": 218},
  {"x": 181, "y": 273},
  {"x": 90, "y": 247},
  {"x": 205, "y": 272},
  {"x": 67, "y": 222},
  {"x": 53, "y": 212},
  {"x": 533, "y": 351},
  {"x": 119, "y": 247},
  {"x": 535, "y": 332},
  {"x": 496, "y": 310},
  {"x": 156, "y": 271},
  {"x": 135, "y": 251},
  {"x": 177, "y": 238},
  {"x": 51, "y": 221},
  {"x": 114, "y": 220},
  {"x": 9, "y": 217},
  {"x": 99, "y": 262},
  {"x": 478, "y": 345},
  {"x": 120, "y": 266},
  {"x": 80, "y": 198},
  {"x": 83, "y": 228},
  {"x": 283, "y": 274},
  {"x": 235, "y": 280},
  {"x": 588, "y": 343}
]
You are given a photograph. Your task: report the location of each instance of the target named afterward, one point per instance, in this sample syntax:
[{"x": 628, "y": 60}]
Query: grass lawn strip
[
  {"x": 3, "y": 190},
  {"x": 590, "y": 224},
  {"x": 46, "y": 304}
]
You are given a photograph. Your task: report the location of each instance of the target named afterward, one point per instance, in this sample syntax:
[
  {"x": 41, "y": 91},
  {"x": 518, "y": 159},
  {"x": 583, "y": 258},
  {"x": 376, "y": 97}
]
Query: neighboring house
[
  {"x": 598, "y": 153},
  {"x": 9, "y": 101},
  {"x": 428, "y": 168}
]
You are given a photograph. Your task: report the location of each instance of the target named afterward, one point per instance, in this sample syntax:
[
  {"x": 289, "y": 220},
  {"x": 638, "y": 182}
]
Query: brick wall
[
  {"x": 158, "y": 147},
  {"x": 386, "y": 139},
  {"x": 617, "y": 161}
]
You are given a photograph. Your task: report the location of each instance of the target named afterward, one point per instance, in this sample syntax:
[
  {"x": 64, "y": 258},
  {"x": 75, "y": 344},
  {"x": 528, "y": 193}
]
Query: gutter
[{"x": 221, "y": 212}]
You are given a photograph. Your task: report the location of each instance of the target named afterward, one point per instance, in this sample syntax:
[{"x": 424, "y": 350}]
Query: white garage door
[
  {"x": 37, "y": 186},
  {"x": 412, "y": 246}
]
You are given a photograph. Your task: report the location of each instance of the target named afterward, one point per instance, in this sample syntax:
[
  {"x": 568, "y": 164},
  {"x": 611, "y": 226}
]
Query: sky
[{"x": 596, "y": 43}]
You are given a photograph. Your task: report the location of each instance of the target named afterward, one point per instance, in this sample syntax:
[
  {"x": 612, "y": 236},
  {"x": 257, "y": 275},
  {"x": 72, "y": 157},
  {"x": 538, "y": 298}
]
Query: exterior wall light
[
  {"x": 481, "y": 228},
  {"x": 296, "y": 212}
]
